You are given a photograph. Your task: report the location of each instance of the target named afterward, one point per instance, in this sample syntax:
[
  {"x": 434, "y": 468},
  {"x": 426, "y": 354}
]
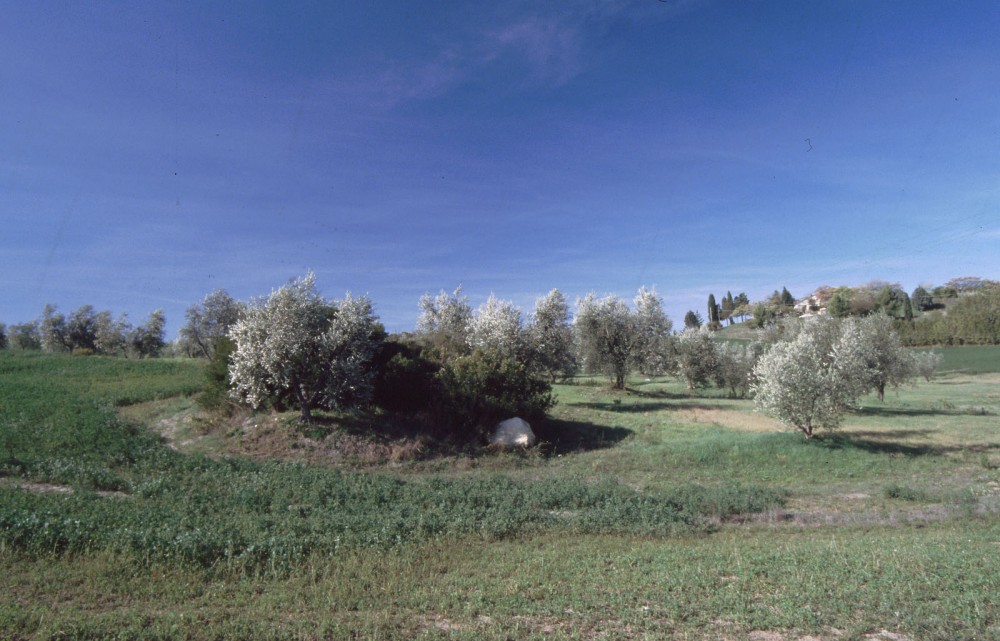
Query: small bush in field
[{"x": 216, "y": 394}]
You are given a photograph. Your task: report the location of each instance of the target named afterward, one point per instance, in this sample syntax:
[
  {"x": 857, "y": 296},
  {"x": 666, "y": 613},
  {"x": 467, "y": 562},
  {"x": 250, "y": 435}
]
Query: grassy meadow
[{"x": 654, "y": 513}]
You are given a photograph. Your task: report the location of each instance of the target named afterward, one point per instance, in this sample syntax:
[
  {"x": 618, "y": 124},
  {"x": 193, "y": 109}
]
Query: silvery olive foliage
[
  {"x": 807, "y": 382},
  {"x": 926, "y": 363},
  {"x": 496, "y": 326},
  {"x": 612, "y": 338},
  {"x": 810, "y": 380},
  {"x": 298, "y": 344},
  {"x": 209, "y": 321},
  {"x": 147, "y": 340},
  {"x": 444, "y": 323},
  {"x": 655, "y": 345},
  {"x": 53, "y": 331},
  {"x": 697, "y": 356},
  {"x": 24, "y": 336},
  {"x": 89, "y": 331},
  {"x": 607, "y": 336},
  {"x": 735, "y": 363},
  {"x": 112, "y": 336},
  {"x": 885, "y": 362},
  {"x": 551, "y": 336}
]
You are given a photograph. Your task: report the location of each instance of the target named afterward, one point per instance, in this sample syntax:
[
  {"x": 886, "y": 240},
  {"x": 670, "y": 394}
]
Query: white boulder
[{"x": 514, "y": 432}]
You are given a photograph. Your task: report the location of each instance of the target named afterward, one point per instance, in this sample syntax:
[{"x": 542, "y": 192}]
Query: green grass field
[{"x": 654, "y": 513}]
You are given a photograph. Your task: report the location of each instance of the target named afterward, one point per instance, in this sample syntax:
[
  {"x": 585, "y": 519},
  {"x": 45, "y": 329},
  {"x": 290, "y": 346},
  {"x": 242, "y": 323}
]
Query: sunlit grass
[{"x": 636, "y": 518}]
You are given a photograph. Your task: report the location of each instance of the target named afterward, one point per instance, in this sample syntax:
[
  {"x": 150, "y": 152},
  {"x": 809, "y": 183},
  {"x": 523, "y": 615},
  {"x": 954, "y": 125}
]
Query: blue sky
[{"x": 151, "y": 153}]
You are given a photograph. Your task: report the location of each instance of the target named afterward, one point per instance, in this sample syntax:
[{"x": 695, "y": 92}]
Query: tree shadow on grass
[
  {"x": 892, "y": 443},
  {"x": 625, "y": 407},
  {"x": 566, "y": 437},
  {"x": 924, "y": 411},
  {"x": 633, "y": 408},
  {"x": 631, "y": 391}
]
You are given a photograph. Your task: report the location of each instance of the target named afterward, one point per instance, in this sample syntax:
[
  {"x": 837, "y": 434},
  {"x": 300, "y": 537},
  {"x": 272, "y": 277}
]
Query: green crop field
[{"x": 654, "y": 513}]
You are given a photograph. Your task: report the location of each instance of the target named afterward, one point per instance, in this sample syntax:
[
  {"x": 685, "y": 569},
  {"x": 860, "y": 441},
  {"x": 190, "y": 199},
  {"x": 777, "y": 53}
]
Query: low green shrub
[
  {"x": 905, "y": 493},
  {"x": 405, "y": 379},
  {"x": 482, "y": 388},
  {"x": 215, "y": 396}
]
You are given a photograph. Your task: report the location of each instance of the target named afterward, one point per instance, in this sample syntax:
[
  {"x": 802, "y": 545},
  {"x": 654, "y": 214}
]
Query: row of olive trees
[
  {"x": 317, "y": 353},
  {"x": 87, "y": 331},
  {"x": 311, "y": 352},
  {"x": 606, "y": 336},
  {"x": 300, "y": 349}
]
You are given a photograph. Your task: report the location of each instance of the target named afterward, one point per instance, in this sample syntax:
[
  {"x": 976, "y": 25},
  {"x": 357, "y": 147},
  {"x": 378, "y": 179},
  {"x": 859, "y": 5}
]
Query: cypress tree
[{"x": 713, "y": 311}]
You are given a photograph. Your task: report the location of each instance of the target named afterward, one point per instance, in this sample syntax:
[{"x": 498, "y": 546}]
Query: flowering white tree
[
  {"x": 551, "y": 335},
  {"x": 496, "y": 326},
  {"x": 444, "y": 322},
  {"x": 299, "y": 344}
]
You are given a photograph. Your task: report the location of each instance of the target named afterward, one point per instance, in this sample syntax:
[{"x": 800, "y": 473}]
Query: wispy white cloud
[
  {"x": 544, "y": 50},
  {"x": 551, "y": 48}
]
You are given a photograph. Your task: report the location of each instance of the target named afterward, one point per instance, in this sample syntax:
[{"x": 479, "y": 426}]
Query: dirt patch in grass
[
  {"x": 275, "y": 436},
  {"x": 737, "y": 419}
]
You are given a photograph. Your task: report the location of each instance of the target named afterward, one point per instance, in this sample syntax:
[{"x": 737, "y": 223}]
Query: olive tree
[
  {"x": 112, "y": 336},
  {"x": 607, "y": 335},
  {"x": 654, "y": 348},
  {"x": 882, "y": 360},
  {"x": 809, "y": 381},
  {"x": 697, "y": 357},
  {"x": 298, "y": 344},
  {"x": 53, "y": 332},
  {"x": 24, "y": 336},
  {"x": 551, "y": 336},
  {"x": 613, "y": 338},
  {"x": 147, "y": 340},
  {"x": 735, "y": 363},
  {"x": 926, "y": 363},
  {"x": 496, "y": 326},
  {"x": 443, "y": 323},
  {"x": 209, "y": 321}
]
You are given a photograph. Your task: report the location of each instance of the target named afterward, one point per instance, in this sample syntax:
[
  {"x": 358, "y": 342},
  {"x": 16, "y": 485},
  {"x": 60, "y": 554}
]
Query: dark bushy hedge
[
  {"x": 405, "y": 379},
  {"x": 480, "y": 389},
  {"x": 463, "y": 397}
]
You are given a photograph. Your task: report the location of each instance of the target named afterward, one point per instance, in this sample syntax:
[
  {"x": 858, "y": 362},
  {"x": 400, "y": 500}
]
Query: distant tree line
[
  {"x": 462, "y": 369},
  {"x": 87, "y": 331}
]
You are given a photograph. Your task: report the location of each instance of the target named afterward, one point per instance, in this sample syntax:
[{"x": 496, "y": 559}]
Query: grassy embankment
[{"x": 624, "y": 527}]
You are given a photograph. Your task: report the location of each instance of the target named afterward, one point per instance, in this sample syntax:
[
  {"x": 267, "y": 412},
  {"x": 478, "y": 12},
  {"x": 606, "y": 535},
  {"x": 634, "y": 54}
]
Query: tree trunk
[{"x": 881, "y": 392}]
